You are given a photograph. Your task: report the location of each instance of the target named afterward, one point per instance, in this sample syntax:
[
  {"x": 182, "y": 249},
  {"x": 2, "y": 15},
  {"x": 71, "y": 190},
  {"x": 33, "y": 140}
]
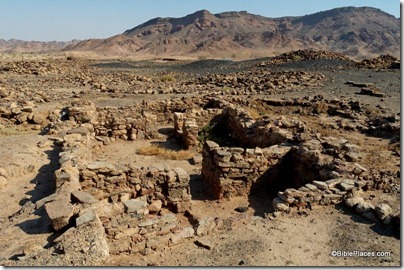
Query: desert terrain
[
  {"x": 276, "y": 161},
  {"x": 228, "y": 139}
]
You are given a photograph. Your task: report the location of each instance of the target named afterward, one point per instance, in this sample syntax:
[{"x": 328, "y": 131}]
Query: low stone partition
[{"x": 327, "y": 192}]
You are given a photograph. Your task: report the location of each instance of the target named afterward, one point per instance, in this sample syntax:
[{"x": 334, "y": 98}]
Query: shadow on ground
[
  {"x": 44, "y": 186},
  {"x": 378, "y": 227}
]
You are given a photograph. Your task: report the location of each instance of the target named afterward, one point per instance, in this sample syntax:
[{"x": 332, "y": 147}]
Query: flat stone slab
[
  {"x": 101, "y": 166},
  {"x": 84, "y": 197},
  {"x": 205, "y": 243},
  {"x": 86, "y": 217},
  {"x": 320, "y": 185},
  {"x": 311, "y": 187}
]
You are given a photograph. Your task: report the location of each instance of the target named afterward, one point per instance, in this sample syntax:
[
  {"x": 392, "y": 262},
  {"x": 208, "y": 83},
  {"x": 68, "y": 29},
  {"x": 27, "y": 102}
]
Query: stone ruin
[
  {"x": 102, "y": 208},
  {"x": 298, "y": 166},
  {"x": 284, "y": 154}
]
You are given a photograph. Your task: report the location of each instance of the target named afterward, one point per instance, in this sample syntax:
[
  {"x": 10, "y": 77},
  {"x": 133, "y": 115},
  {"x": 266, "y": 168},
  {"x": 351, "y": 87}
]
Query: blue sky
[{"x": 62, "y": 20}]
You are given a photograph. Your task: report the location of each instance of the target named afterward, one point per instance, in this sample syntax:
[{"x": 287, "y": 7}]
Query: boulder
[
  {"x": 363, "y": 207},
  {"x": 383, "y": 210},
  {"x": 351, "y": 202}
]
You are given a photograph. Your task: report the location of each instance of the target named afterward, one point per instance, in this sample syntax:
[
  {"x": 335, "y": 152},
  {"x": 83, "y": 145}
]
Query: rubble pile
[
  {"x": 309, "y": 54},
  {"x": 381, "y": 62}
]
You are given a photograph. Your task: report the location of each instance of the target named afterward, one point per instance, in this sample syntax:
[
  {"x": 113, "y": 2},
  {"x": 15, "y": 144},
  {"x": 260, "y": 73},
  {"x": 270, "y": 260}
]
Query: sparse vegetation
[
  {"x": 155, "y": 150},
  {"x": 167, "y": 78},
  {"x": 206, "y": 134},
  {"x": 296, "y": 58},
  {"x": 14, "y": 130},
  {"x": 254, "y": 113}
]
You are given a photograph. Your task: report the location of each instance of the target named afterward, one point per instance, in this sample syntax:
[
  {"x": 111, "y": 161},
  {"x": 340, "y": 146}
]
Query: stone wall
[
  {"x": 125, "y": 123},
  {"x": 118, "y": 209},
  {"x": 118, "y": 184},
  {"x": 17, "y": 113},
  {"x": 232, "y": 171},
  {"x": 248, "y": 132},
  {"x": 188, "y": 125}
]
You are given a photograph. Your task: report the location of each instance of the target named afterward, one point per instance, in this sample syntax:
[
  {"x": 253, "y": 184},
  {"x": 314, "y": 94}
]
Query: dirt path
[{"x": 30, "y": 161}]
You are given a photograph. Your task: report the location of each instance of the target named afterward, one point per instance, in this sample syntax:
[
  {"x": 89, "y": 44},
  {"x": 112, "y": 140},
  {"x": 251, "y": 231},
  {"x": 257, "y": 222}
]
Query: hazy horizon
[{"x": 65, "y": 20}]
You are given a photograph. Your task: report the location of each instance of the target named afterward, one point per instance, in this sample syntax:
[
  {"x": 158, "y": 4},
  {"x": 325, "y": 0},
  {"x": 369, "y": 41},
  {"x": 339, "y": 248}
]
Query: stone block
[
  {"x": 363, "y": 207},
  {"x": 85, "y": 217},
  {"x": 135, "y": 206},
  {"x": 60, "y": 212},
  {"x": 185, "y": 233},
  {"x": 280, "y": 205},
  {"x": 155, "y": 206}
]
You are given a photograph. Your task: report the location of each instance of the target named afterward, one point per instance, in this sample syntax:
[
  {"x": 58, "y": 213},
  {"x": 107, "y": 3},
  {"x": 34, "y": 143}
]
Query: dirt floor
[{"x": 252, "y": 239}]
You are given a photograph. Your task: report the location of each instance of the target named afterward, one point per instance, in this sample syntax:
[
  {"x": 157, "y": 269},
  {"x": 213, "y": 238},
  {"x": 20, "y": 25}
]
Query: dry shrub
[
  {"x": 155, "y": 150},
  {"x": 13, "y": 130}
]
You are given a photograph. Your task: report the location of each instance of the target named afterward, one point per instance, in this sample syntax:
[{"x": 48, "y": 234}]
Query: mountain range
[{"x": 355, "y": 31}]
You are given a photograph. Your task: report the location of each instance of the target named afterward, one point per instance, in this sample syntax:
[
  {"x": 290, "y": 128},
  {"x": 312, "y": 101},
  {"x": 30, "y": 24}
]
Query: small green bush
[{"x": 167, "y": 78}]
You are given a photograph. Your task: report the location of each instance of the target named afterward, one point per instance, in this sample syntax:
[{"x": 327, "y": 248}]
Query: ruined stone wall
[
  {"x": 105, "y": 180},
  {"x": 231, "y": 171},
  {"x": 118, "y": 209},
  {"x": 17, "y": 113},
  {"x": 125, "y": 123},
  {"x": 265, "y": 132},
  {"x": 187, "y": 126}
]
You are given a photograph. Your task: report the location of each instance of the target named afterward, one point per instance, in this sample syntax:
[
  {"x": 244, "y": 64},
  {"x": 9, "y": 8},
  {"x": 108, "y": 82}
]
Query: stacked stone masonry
[
  {"x": 187, "y": 126},
  {"x": 232, "y": 171},
  {"x": 120, "y": 209}
]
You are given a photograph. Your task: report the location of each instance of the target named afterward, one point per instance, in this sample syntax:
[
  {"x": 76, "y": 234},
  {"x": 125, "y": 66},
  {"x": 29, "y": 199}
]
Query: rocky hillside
[{"x": 356, "y": 31}]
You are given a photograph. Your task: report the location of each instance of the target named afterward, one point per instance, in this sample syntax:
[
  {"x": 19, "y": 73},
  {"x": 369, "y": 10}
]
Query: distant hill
[
  {"x": 355, "y": 31},
  {"x": 15, "y": 45}
]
